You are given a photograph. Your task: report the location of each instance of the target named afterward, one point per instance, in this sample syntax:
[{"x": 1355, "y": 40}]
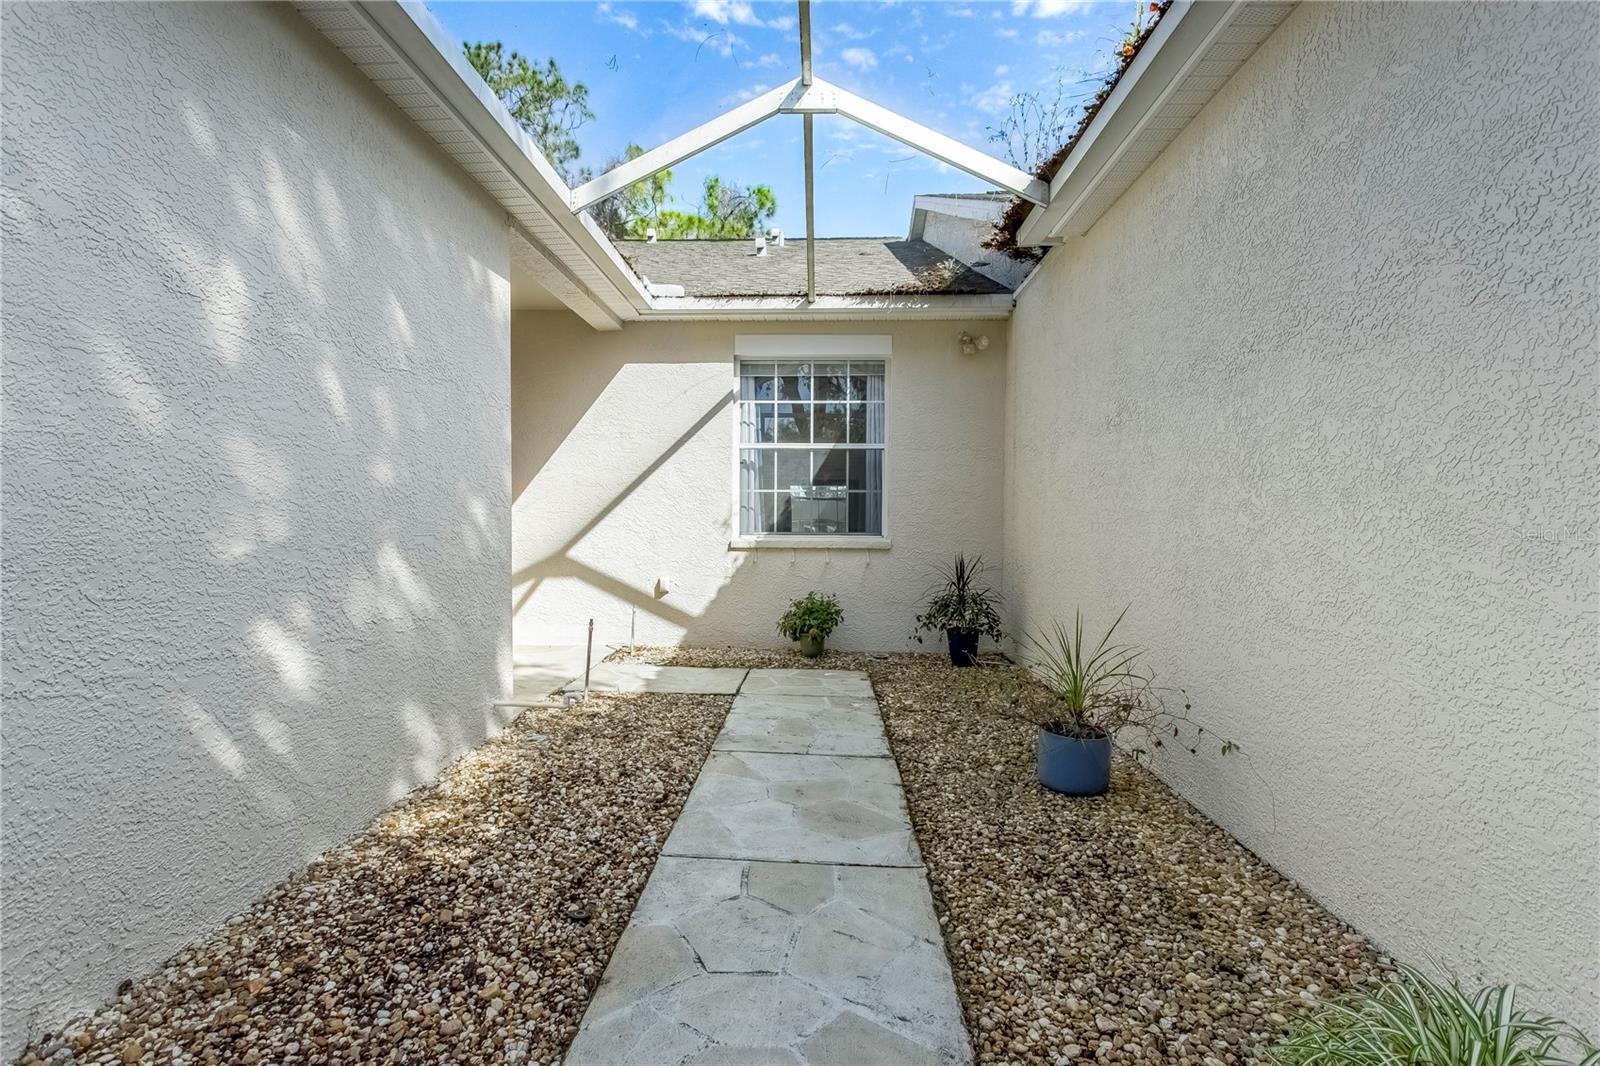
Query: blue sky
[{"x": 657, "y": 69}]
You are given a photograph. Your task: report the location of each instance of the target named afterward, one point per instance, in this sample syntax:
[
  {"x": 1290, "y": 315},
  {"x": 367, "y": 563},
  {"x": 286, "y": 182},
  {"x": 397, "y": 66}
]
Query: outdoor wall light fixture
[{"x": 971, "y": 345}]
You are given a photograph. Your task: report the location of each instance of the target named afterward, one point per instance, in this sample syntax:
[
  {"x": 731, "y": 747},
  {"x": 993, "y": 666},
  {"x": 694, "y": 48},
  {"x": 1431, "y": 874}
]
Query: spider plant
[
  {"x": 1417, "y": 1021},
  {"x": 1098, "y": 689}
]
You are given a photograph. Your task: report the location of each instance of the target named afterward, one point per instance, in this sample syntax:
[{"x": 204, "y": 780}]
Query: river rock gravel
[
  {"x": 1120, "y": 929},
  {"x": 468, "y": 924}
]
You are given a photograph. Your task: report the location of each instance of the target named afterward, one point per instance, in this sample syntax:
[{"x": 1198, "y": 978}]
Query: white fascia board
[
  {"x": 974, "y": 306},
  {"x": 434, "y": 58},
  {"x": 1176, "y": 46},
  {"x": 966, "y": 207},
  {"x": 825, "y": 98},
  {"x": 678, "y": 149}
]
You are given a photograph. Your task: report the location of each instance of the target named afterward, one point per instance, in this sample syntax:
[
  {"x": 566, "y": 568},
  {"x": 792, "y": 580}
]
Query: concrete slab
[
  {"x": 848, "y": 683},
  {"x": 538, "y": 670},
  {"x": 796, "y": 808},
  {"x": 809, "y": 964},
  {"x": 804, "y": 725},
  {"x": 643, "y": 677}
]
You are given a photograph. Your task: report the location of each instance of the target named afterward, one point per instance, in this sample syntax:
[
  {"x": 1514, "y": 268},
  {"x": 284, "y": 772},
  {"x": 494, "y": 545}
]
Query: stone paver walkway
[{"x": 788, "y": 920}]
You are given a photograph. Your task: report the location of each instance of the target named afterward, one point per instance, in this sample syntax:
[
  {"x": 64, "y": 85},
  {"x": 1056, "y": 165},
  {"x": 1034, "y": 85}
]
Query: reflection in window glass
[{"x": 811, "y": 458}]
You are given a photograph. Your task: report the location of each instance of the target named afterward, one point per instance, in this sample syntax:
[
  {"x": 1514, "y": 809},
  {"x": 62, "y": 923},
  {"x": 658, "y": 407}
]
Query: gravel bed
[
  {"x": 468, "y": 924},
  {"x": 1124, "y": 928}
]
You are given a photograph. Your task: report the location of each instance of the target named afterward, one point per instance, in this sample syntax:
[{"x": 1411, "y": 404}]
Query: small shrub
[
  {"x": 813, "y": 614},
  {"x": 1417, "y": 1021},
  {"x": 961, "y": 601}
]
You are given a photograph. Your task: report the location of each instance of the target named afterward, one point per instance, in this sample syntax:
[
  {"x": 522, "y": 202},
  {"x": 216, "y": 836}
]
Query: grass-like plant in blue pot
[{"x": 1100, "y": 689}]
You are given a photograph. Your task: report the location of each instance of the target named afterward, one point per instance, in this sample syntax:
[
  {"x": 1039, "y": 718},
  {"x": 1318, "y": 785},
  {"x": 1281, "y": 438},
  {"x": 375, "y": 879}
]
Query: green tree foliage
[
  {"x": 540, "y": 98},
  {"x": 637, "y": 208},
  {"x": 727, "y": 212},
  {"x": 551, "y": 109}
]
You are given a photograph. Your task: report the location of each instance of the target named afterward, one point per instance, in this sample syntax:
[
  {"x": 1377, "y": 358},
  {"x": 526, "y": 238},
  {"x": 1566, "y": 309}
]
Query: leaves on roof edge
[{"x": 1004, "y": 237}]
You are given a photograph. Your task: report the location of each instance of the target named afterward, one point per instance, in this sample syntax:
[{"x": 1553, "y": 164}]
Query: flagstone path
[{"x": 788, "y": 920}]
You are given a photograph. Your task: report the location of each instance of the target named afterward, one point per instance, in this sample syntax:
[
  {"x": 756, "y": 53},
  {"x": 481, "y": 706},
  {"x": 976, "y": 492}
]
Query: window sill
[{"x": 790, "y": 541}]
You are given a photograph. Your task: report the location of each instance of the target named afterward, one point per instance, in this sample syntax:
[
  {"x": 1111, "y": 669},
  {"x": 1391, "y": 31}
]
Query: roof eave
[
  {"x": 410, "y": 57},
  {"x": 1195, "y": 48},
  {"x": 967, "y": 306}
]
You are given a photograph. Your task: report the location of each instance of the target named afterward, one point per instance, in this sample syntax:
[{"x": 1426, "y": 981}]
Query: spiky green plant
[
  {"x": 1099, "y": 688},
  {"x": 961, "y": 601},
  {"x": 1415, "y": 1020}
]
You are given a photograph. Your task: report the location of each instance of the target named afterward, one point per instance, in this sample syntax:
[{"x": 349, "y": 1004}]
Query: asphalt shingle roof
[{"x": 846, "y": 266}]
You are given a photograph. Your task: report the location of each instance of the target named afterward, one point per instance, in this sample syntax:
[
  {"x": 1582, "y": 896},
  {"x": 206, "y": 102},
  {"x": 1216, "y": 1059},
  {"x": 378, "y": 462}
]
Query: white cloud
[
  {"x": 744, "y": 94},
  {"x": 849, "y": 32},
  {"x": 722, "y": 42},
  {"x": 1047, "y": 9},
  {"x": 1007, "y": 32},
  {"x": 723, "y": 12},
  {"x": 607, "y": 13},
  {"x": 737, "y": 12},
  {"x": 1001, "y": 71},
  {"x": 860, "y": 58},
  {"x": 996, "y": 99},
  {"x": 1055, "y": 39},
  {"x": 765, "y": 62}
]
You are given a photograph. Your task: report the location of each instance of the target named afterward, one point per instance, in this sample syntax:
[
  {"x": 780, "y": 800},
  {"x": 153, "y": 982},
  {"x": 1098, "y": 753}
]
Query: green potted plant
[
  {"x": 963, "y": 608},
  {"x": 809, "y": 620},
  {"x": 1098, "y": 692},
  {"x": 1416, "y": 1019}
]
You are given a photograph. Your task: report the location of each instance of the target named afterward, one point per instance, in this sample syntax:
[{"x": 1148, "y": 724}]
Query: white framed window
[{"x": 811, "y": 441}]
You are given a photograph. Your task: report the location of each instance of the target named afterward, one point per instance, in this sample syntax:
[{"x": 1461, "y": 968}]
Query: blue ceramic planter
[{"x": 1075, "y": 767}]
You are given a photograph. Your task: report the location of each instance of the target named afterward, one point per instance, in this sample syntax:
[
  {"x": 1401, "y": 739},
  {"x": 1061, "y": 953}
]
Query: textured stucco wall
[
  {"x": 1318, "y": 398},
  {"x": 257, "y": 469},
  {"x": 622, "y": 475}
]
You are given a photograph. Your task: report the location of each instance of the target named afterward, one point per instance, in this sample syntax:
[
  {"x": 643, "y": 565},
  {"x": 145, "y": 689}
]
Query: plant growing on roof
[
  {"x": 1418, "y": 1021},
  {"x": 962, "y": 607},
  {"x": 1100, "y": 690},
  {"x": 810, "y": 619},
  {"x": 1004, "y": 237}
]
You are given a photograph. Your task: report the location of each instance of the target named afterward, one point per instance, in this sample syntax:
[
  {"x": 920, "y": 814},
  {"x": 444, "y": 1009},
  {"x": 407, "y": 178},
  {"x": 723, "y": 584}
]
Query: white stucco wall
[
  {"x": 622, "y": 476},
  {"x": 257, "y": 470},
  {"x": 1317, "y": 398},
  {"x": 964, "y": 237}
]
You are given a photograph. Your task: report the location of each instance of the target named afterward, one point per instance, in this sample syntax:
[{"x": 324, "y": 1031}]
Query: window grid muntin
[{"x": 853, "y": 388}]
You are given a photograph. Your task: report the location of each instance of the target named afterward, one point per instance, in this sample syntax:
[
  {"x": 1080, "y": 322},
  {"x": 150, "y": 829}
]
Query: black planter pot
[{"x": 963, "y": 646}]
